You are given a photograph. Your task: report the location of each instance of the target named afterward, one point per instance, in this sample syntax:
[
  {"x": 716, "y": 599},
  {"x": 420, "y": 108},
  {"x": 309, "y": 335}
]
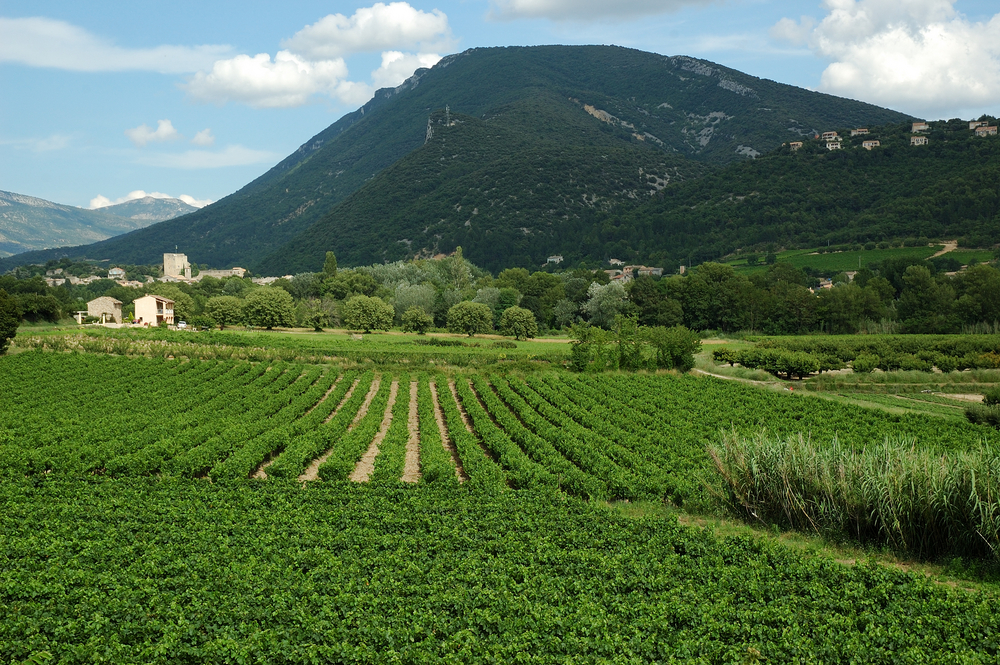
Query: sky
[{"x": 103, "y": 101}]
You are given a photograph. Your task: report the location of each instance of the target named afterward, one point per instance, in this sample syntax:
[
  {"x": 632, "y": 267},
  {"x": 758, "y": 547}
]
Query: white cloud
[
  {"x": 45, "y": 42},
  {"x": 144, "y": 134},
  {"x": 233, "y": 155},
  {"x": 381, "y": 26},
  {"x": 204, "y": 138},
  {"x": 397, "y": 67},
  {"x": 795, "y": 32},
  {"x": 921, "y": 55},
  {"x": 288, "y": 80},
  {"x": 197, "y": 203},
  {"x": 100, "y": 201},
  {"x": 584, "y": 10},
  {"x": 312, "y": 62}
]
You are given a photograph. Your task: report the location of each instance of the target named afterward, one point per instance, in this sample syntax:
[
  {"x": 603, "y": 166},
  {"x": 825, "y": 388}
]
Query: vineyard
[{"x": 234, "y": 511}]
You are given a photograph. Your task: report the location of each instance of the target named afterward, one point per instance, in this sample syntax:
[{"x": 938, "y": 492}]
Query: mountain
[
  {"x": 949, "y": 188},
  {"x": 678, "y": 113},
  {"x": 150, "y": 209},
  {"x": 28, "y": 223}
]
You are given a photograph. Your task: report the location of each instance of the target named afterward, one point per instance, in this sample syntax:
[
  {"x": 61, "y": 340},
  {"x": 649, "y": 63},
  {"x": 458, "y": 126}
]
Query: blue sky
[{"x": 102, "y": 100}]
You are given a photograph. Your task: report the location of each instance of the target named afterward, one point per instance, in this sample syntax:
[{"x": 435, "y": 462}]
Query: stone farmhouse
[
  {"x": 105, "y": 308},
  {"x": 920, "y": 127},
  {"x": 795, "y": 145},
  {"x": 986, "y": 131},
  {"x": 859, "y": 132},
  {"x": 977, "y": 123},
  {"x": 152, "y": 310}
]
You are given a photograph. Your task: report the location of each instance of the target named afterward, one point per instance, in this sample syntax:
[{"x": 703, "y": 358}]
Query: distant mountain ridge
[
  {"x": 657, "y": 119},
  {"x": 150, "y": 208},
  {"x": 30, "y": 223}
]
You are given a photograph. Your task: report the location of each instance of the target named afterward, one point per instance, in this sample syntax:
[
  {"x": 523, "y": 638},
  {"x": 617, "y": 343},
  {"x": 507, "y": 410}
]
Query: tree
[
  {"x": 35, "y": 308},
  {"x": 519, "y": 323},
  {"x": 10, "y": 319},
  {"x": 224, "y": 310},
  {"x": 269, "y": 307},
  {"x": 330, "y": 265},
  {"x": 415, "y": 319},
  {"x": 470, "y": 318},
  {"x": 367, "y": 313},
  {"x": 605, "y": 303},
  {"x": 675, "y": 347}
]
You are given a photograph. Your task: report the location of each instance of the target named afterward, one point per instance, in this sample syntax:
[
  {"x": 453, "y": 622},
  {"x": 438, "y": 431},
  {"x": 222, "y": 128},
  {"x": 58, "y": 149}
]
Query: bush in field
[
  {"x": 725, "y": 356},
  {"x": 992, "y": 397},
  {"x": 675, "y": 347},
  {"x": 518, "y": 323},
  {"x": 415, "y": 319},
  {"x": 865, "y": 363},
  {"x": 269, "y": 307},
  {"x": 470, "y": 318},
  {"x": 10, "y": 319},
  {"x": 224, "y": 310},
  {"x": 367, "y": 313}
]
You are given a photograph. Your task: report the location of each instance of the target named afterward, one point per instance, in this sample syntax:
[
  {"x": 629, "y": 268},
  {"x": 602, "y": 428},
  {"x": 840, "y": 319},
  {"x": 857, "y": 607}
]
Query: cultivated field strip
[{"x": 602, "y": 437}]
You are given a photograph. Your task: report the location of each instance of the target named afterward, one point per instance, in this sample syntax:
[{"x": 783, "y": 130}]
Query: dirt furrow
[
  {"x": 445, "y": 439},
  {"x": 363, "y": 471},
  {"x": 312, "y": 471},
  {"x": 461, "y": 408},
  {"x": 261, "y": 471},
  {"x": 363, "y": 411},
  {"x": 323, "y": 398},
  {"x": 347, "y": 396},
  {"x": 411, "y": 468}
]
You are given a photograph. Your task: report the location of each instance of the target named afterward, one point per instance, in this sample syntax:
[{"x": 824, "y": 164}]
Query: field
[{"x": 175, "y": 510}]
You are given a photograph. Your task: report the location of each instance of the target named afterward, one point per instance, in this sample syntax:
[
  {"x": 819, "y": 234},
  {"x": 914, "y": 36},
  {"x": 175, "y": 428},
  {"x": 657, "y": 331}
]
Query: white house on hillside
[{"x": 152, "y": 310}]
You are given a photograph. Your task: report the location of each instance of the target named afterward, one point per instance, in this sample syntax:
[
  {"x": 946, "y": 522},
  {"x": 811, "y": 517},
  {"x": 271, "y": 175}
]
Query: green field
[
  {"x": 853, "y": 260},
  {"x": 175, "y": 510}
]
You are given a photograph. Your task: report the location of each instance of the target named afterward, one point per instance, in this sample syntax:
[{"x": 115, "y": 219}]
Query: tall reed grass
[{"x": 892, "y": 493}]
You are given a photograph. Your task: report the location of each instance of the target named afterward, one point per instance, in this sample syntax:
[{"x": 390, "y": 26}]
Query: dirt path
[
  {"x": 733, "y": 378},
  {"x": 461, "y": 409},
  {"x": 445, "y": 440},
  {"x": 411, "y": 468},
  {"x": 973, "y": 397},
  {"x": 363, "y": 470},
  {"x": 323, "y": 398},
  {"x": 347, "y": 396},
  {"x": 363, "y": 411},
  {"x": 312, "y": 471},
  {"x": 949, "y": 246}
]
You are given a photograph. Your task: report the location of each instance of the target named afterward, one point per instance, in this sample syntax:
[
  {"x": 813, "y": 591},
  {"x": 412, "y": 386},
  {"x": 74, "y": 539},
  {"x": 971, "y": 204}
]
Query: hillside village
[{"x": 832, "y": 140}]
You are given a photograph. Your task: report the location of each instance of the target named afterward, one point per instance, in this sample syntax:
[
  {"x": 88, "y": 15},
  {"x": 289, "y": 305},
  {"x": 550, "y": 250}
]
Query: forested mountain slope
[
  {"x": 949, "y": 188},
  {"x": 675, "y": 105}
]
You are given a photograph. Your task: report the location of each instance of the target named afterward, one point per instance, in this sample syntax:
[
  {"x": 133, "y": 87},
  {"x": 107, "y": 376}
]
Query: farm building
[
  {"x": 920, "y": 127},
  {"x": 986, "y": 131},
  {"x": 106, "y": 308},
  {"x": 152, "y": 310}
]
